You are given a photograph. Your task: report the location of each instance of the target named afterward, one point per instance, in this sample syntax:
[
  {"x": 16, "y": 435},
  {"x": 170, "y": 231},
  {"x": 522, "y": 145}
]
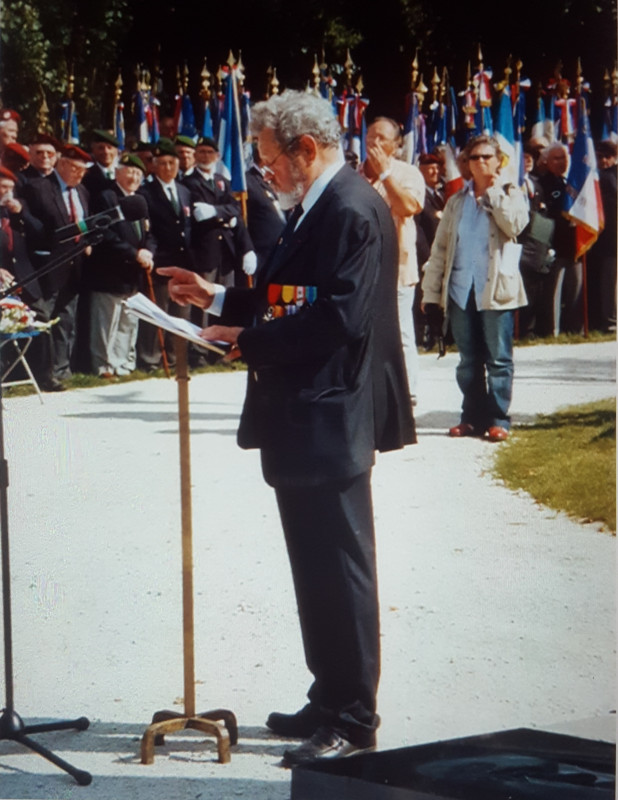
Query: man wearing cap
[
  {"x": 430, "y": 166},
  {"x": 58, "y": 200},
  {"x": 104, "y": 149},
  {"x": 221, "y": 244},
  {"x": 115, "y": 272},
  {"x": 15, "y": 227},
  {"x": 144, "y": 151},
  {"x": 265, "y": 218},
  {"x": 9, "y": 127},
  {"x": 169, "y": 211},
  {"x": 15, "y": 158},
  {"x": 42, "y": 153},
  {"x": 401, "y": 185},
  {"x": 185, "y": 147}
]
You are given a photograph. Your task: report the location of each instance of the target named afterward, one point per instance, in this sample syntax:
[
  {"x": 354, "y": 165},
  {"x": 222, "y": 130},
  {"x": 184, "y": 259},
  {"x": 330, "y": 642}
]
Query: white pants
[
  {"x": 405, "y": 300},
  {"x": 113, "y": 333}
]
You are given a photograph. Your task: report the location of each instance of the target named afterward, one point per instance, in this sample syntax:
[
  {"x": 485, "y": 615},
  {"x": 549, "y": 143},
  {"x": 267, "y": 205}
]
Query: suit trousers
[
  {"x": 113, "y": 334},
  {"x": 329, "y": 534},
  {"x": 57, "y": 348}
]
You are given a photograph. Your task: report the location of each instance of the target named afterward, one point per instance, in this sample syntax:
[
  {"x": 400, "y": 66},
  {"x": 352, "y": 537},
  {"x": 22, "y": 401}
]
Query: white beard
[{"x": 288, "y": 200}]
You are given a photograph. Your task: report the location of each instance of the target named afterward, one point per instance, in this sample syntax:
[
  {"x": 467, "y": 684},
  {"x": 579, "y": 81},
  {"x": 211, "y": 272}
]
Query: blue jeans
[{"x": 485, "y": 370}]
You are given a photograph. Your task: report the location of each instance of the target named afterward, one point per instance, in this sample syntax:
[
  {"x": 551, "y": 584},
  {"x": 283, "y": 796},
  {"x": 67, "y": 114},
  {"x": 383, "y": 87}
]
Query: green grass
[
  {"x": 567, "y": 461},
  {"x": 87, "y": 381}
]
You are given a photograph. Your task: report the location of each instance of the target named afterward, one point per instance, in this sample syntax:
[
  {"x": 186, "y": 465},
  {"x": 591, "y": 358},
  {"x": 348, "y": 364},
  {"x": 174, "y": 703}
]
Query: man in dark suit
[
  {"x": 56, "y": 201},
  {"x": 265, "y": 218},
  {"x": 43, "y": 152},
  {"x": 430, "y": 165},
  {"x": 15, "y": 227},
  {"x": 219, "y": 236},
  {"x": 116, "y": 271},
  {"x": 326, "y": 388},
  {"x": 104, "y": 149},
  {"x": 169, "y": 212}
]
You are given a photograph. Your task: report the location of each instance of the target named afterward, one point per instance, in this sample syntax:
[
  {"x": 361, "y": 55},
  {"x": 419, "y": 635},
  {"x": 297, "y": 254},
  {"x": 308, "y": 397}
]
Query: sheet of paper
[{"x": 139, "y": 305}]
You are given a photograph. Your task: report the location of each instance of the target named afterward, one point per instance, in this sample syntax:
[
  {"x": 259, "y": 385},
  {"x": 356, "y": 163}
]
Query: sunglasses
[{"x": 481, "y": 157}]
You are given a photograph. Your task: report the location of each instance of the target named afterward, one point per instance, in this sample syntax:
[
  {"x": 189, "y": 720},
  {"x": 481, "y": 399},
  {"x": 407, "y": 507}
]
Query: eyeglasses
[
  {"x": 267, "y": 169},
  {"x": 481, "y": 156}
]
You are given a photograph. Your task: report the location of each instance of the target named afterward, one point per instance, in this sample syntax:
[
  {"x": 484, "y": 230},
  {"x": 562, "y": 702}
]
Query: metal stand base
[
  {"x": 13, "y": 728},
  {"x": 218, "y": 723}
]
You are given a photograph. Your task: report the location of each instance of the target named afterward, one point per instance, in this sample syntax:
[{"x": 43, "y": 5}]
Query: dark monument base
[{"x": 520, "y": 764}]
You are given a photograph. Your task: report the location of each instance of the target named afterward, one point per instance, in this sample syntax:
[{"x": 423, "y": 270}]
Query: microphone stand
[{"x": 12, "y": 727}]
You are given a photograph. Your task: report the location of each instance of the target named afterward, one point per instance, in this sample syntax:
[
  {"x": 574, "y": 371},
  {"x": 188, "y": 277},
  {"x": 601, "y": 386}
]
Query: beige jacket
[
  {"x": 409, "y": 178},
  {"x": 508, "y": 217}
]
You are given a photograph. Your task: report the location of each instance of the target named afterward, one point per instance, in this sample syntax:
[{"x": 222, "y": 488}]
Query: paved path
[{"x": 497, "y": 612}]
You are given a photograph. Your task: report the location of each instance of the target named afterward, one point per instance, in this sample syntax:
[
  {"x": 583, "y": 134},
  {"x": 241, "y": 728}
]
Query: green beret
[
  {"x": 99, "y": 135},
  {"x": 208, "y": 142},
  {"x": 165, "y": 147},
  {"x": 185, "y": 141},
  {"x": 130, "y": 160},
  {"x": 141, "y": 147}
]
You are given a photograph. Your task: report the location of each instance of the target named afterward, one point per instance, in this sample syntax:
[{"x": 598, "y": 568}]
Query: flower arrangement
[{"x": 15, "y": 315}]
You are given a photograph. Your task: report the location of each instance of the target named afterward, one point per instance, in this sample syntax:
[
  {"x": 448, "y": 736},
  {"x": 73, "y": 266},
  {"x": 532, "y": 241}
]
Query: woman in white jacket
[{"x": 476, "y": 283}]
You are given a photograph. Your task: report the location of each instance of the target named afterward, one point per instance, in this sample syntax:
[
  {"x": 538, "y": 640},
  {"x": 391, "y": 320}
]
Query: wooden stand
[{"x": 218, "y": 723}]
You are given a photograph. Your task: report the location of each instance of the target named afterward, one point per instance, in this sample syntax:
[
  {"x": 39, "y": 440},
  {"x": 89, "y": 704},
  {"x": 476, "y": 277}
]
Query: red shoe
[
  {"x": 463, "y": 429},
  {"x": 497, "y": 434}
]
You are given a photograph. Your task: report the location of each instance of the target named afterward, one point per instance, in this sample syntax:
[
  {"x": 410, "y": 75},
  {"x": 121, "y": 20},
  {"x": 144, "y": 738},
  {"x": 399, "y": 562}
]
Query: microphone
[{"x": 131, "y": 208}]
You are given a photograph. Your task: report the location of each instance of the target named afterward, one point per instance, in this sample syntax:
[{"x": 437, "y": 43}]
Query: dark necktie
[
  {"x": 288, "y": 231},
  {"x": 173, "y": 200},
  {"x": 5, "y": 225}
]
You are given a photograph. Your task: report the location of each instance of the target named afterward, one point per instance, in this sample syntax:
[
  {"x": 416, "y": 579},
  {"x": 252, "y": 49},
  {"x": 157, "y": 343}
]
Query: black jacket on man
[
  {"x": 264, "y": 219},
  {"x": 112, "y": 266},
  {"x": 220, "y": 242},
  {"x": 171, "y": 230}
]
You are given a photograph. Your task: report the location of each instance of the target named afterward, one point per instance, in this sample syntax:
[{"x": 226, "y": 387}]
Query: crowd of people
[
  {"x": 194, "y": 221},
  {"x": 336, "y": 251}
]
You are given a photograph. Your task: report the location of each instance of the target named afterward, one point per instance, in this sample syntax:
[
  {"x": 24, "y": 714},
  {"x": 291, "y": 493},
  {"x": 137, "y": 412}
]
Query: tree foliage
[{"x": 44, "y": 42}]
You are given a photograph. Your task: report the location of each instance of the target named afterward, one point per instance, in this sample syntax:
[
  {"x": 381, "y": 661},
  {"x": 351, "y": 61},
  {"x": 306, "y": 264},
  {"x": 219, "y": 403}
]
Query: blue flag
[{"x": 230, "y": 135}]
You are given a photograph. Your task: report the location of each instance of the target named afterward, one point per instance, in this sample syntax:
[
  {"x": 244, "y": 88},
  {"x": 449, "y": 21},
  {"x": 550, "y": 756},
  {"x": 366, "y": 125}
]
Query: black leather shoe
[
  {"x": 325, "y": 743},
  {"x": 300, "y": 725},
  {"x": 53, "y": 385}
]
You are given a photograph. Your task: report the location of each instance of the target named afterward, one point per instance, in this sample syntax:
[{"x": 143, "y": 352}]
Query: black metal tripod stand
[{"x": 11, "y": 725}]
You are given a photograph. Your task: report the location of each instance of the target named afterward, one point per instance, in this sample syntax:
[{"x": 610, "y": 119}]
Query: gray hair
[
  {"x": 550, "y": 149},
  {"x": 293, "y": 114}
]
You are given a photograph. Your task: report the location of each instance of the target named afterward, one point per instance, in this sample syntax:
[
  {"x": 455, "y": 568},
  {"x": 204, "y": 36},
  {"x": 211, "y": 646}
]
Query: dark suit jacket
[
  {"x": 112, "y": 267},
  {"x": 427, "y": 224},
  {"x": 220, "y": 242},
  {"x": 327, "y": 386},
  {"x": 263, "y": 220},
  {"x": 46, "y": 204},
  {"x": 14, "y": 254},
  {"x": 171, "y": 231},
  {"x": 95, "y": 181}
]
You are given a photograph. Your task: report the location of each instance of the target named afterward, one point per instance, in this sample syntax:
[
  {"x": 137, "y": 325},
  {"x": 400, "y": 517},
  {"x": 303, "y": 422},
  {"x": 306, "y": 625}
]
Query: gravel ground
[{"x": 497, "y": 612}]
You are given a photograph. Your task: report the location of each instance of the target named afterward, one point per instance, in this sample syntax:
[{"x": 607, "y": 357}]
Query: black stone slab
[{"x": 522, "y": 764}]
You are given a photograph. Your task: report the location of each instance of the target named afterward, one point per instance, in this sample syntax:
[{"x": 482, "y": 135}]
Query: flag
[
  {"x": 69, "y": 128},
  {"x": 539, "y": 125},
  {"x": 453, "y": 180},
  {"x": 357, "y": 128},
  {"x": 414, "y": 131},
  {"x": 119, "y": 124},
  {"x": 505, "y": 134},
  {"x": 230, "y": 134},
  {"x": 152, "y": 117},
  {"x": 483, "y": 121},
  {"x": 207, "y": 128},
  {"x": 610, "y": 121},
  {"x": 141, "y": 121},
  {"x": 583, "y": 203},
  {"x": 184, "y": 117}
]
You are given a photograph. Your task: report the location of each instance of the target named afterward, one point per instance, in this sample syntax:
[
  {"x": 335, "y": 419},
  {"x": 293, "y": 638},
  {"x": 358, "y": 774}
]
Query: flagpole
[{"x": 585, "y": 294}]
